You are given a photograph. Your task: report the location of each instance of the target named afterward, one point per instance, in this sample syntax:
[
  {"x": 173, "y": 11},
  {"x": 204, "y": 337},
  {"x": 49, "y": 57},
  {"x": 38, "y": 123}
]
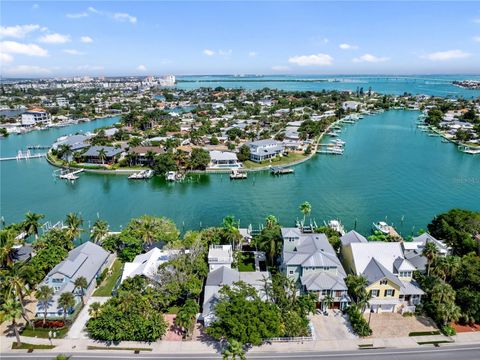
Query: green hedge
[{"x": 358, "y": 322}]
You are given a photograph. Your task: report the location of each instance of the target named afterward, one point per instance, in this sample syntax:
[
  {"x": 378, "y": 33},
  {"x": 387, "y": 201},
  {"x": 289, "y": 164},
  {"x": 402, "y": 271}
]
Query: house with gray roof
[
  {"x": 92, "y": 155},
  {"x": 352, "y": 237},
  {"x": 87, "y": 260},
  {"x": 311, "y": 261},
  {"x": 413, "y": 250},
  {"x": 262, "y": 150}
]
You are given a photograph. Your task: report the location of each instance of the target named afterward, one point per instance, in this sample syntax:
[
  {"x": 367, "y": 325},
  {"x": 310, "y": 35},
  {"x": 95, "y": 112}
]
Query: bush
[
  {"x": 49, "y": 324},
  {"x": 102, "y": 276},
  {"x": 359, "y": 324},
  {"x": 448, "y": 330}
]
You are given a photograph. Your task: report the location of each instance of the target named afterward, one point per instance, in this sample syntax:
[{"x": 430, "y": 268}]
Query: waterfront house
[
  {"x": 111, "y": 154},
  {"x": 223, "y": 159},
  {"x": 352, "y": 237},
  {"x": 311, "y": 261},
  {"x": 35, "y": 116},
  {"x": 146, "y": 265},
  {"x": 351, "y": 105},
  {"x": 141, "y": 154},
  {"x": 262, "y": 150},
  {"x": 389, "y": 275},
  {"x": 75, "y": 142},
  {"x": 220, "y": 259},
  {"x": 87, "y": 260},
  {"x": 413, "y": 250}
]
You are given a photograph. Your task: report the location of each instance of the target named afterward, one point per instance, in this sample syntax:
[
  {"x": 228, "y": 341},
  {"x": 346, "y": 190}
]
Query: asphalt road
[{"x": 467, "y": 352}]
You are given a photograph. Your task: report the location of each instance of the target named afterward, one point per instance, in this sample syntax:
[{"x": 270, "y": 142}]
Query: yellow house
[{"x": 388, "y": 273}]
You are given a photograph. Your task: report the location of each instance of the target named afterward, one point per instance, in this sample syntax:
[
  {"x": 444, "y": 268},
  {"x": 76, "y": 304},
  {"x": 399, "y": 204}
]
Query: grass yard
[
  {"x": 26, "y": 346},
  {"x": 43, "y": 333},
  {"x": 277, "y": 161},
  {"x": 106, "y": 287},
  {"x": 247, "y": 262}
]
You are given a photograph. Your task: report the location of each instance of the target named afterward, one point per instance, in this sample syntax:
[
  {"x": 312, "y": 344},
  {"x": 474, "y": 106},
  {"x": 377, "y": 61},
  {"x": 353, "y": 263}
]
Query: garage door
[{"x": 386, "y": 308}]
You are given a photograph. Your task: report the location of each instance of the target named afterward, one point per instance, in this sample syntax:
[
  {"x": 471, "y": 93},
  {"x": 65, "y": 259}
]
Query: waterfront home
[
  {"x": 291, "y": 133},
  {"x": 22, "y": 253},
  {"x": 220, "y": 255},
  {"x": 389, "y": 275},
  {"x": 223, "y": 159},
  {"x": 262, "y": 150},
  {"x": 351, "y": 105},
  {"x": 413, "y": 250},
  {"x": 310, "y": 260},
  {"x": 35, "y": 116},
  {"x": 141, "y": 154},
  {"x": 75, "y": 142},
  {"x": 87, "y": 260},
  {"x": 220, "y": 258},
  {"x": 93, "y": 154},
  {"x": 352, "y": 237},
  {"x": 146, "y": 265}
]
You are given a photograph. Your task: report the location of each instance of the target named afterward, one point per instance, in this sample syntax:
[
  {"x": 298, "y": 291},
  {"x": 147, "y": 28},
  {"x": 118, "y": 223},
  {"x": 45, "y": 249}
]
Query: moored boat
[{"x": 382, "y": 226}]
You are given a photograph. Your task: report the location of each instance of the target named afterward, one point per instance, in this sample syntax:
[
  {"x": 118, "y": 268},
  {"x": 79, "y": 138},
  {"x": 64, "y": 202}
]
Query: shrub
[
  {"x": 49, "y": 324},
  {"x": 448, "y": 330},
  {"x": 359, "y": 324}
]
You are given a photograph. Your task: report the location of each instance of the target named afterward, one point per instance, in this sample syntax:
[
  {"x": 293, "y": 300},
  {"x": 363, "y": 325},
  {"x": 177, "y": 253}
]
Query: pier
[{"x": 23, "y": 156}]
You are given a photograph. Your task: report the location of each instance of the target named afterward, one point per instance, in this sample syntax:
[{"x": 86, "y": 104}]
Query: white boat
[
  {"x": 469, "y": 150},
  {"x": 171, "y": 176},
  {"x": 143, "y": 174},
  {"x": 382, "y": 226},
  {"x": 336, "y": 225},
  {"x": 238, "y": 175}
]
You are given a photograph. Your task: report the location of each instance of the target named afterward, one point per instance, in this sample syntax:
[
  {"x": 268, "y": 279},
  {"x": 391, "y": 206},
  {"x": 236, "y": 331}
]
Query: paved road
[{"x": 467, "y": 352}]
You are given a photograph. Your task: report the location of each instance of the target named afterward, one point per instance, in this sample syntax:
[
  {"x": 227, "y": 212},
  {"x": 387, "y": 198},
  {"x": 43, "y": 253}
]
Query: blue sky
[{"x": 151, "y": 38}]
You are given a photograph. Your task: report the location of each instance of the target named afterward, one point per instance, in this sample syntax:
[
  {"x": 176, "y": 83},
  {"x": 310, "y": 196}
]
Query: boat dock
[
  {"x": 281, "y": 170},
  {"x": 66, "y": 174},
  {"x": 38, "y": 147},
  {"x": 24, "y": 156},
  {"x": 238, "y": 175},
  {"x": 143, "y": 174}
]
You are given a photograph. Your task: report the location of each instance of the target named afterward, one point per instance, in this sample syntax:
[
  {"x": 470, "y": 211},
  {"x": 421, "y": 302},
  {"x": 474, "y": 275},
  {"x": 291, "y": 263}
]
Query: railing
[{"x": 289, "y": 339}]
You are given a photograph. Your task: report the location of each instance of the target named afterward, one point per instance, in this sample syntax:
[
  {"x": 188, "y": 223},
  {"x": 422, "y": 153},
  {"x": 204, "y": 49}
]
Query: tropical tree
[
  {"x": 81, "y": 283},
  {"x": 430, "y": 251},
  {"x": 99, "y": 231},
  {"x": 357, "y": 285},
  {"x": 44, "y": 296},
  {"x": 12, "y": 310},
  {"x": 74, "y": 223},
  {"x": 102, "y": 155},
  {"x": 66, "y": 301},
  {"x": 31, "y": 223},
  {"x": 233, "y": 351},
  {"x": 270, "y": 241},
  {"x": 13, "y": 278},
  {"x": 271, "y": 221},
  {"x": 442, "y": 298},
  {"x": 94, "y": 309},
  {"x": 327, "y": 301},
  {"x": 305, "y": 209},
  {"x": 7, "y": 251},
  {"x": 231, "y": 232},
  {"x": 64, "y": 151},
  {"x": 186, "y": 315}
]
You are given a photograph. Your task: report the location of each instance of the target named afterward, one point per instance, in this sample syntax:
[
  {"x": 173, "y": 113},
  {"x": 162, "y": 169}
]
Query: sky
[{"x": 67, "y": 38}]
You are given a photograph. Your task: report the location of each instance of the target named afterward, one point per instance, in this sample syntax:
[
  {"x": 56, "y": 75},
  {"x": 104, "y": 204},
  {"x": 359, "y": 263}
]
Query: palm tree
[
  {"x": 150, "y": 156},
  {"x": 99, "y": 231},
  {"x": 102, "y": 155},
  {"x": 94, "y": 309},
  {"x": 147, "y": 230},
  {"x": 7, "y": 242},
  {"x": 357, "y": 289},
  {"x": 65, "y": 151},
  {"x": 234, "y": 350},
  {"x": 81, "y": 283},
  {"x": 44, "y": 296},
  {"x": 31, "y": 223},
  {"x": 66, "y": 301},
  {"x": 271, "y": 221},
  {"x": 430, "y": 251},
  {"x": 327, "y": 301},
  {"x": 305, "y": 209},
  {"x": 14, "y": 281},
  {"x": 12, "y": 310},
  {"x": 74, "y": 223},
  {"x": 232, "y": 234}
]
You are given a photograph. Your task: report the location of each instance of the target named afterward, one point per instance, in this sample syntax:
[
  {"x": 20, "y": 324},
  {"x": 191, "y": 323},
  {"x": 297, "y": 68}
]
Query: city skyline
[{"x": 43, "y": 39}]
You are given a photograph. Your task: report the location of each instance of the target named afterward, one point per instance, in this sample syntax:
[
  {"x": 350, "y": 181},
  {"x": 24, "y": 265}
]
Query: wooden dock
[{"x": 35, "y": 156}]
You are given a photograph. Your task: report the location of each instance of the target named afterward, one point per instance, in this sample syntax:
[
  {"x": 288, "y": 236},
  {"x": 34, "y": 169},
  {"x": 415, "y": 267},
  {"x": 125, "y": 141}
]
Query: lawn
[
  {"x": 43, "y": 333},
  {"x": 106, "y": 287},
  {"x": 247, "y": 262},
  {"x": 26, "y": 346},
  {"x": 277, "y": 161}
]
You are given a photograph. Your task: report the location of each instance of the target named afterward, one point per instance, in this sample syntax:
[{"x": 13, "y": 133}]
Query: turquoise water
[
  {"x": 437, "y": 85},
  {"x": 390, "y": 169}
]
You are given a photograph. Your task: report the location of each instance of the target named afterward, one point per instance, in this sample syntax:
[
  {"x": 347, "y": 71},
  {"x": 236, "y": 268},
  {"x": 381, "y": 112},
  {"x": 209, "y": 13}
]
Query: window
[
  {"x": 374, "y": 293},
  {"x": 405, "y": 274},
  {"x": 383, "y": 282},
  {"x": 291, "y": 272},
  {"x": 389, "y": 292},
  {"x": 56, "y": 281}
]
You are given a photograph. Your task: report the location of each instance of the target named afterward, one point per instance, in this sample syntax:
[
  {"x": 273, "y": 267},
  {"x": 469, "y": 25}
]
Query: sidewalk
[{"x": 197, "y": 347}]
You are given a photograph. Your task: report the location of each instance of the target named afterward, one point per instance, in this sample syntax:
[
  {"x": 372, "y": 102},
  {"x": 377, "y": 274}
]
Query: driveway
[
  {"x": 335, "y": 326},
  {"x": 387, "y": 325},
  {"x": 76, "y": 330}
]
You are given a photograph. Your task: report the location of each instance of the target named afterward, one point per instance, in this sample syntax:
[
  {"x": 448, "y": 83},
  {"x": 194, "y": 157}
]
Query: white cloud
[
  {"x": 93, "y": 10},
  {"x": 77, "y": 15},
  {"x": 55, "y": 39},
  {"x": 125, "y": 17},
  {"x": 35, "y": 6},
  {"x": 89, "y": 67},
  {"x": 371, "y": 58},
  {"x": 208, "y": 52},
  {"x": 73, "y": 52},
  {"x": 5, "y": 58},
  {"x": 141, "y": 68},
  {"x": 252, "y": 53},
  {"x": 446, "y": 55},
  {"x": 476, "y": 38},
  {"x": 86, "y": 39},
  {"x": 27, "y": 70},
  {"x": 311, "y": 60},
  {"x": 280, "y": 68},
  {"x": 18, "y": 31},
  {"x": 347, "y": 46},
  {"x": 13, "y": 47}
]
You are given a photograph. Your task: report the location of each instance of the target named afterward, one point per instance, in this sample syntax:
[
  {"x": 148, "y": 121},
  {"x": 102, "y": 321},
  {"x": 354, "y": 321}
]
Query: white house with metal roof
[
  {"x": 264, "y": 149},
  {"x": 310, "y": 260}
]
